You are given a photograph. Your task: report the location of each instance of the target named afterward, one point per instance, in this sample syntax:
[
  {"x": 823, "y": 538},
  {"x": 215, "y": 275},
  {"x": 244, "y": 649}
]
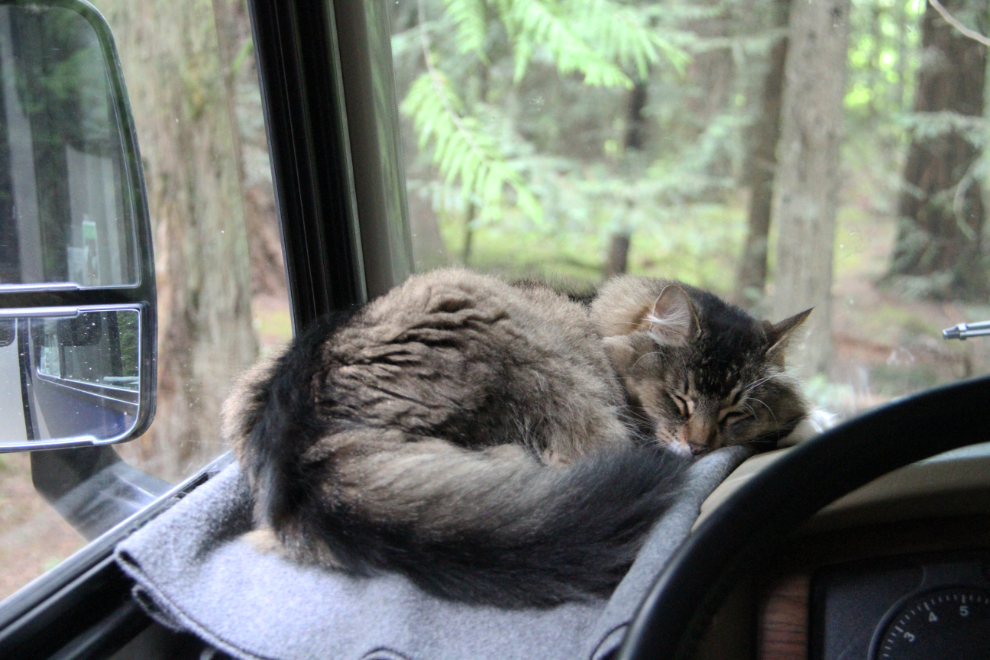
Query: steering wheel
[{"x": 743, "y": 531}]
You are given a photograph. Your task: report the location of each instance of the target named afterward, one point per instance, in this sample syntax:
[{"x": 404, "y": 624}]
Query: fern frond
[
  {"x": 539, "y": 22},
  {"x": 471, "y": 24},
  {"x": 463, "y": 150},
  {"x": 522, "y": 53},
  {"x": 624, "y": 35}
]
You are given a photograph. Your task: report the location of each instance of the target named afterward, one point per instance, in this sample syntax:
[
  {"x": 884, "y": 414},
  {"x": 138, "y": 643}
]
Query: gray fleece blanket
[{"x": 194, "y": 573}]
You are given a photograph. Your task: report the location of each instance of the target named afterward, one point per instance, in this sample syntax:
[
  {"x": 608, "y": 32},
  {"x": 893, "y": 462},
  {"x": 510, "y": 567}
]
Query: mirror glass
[
  {"x": 63, "y": 215},
  {"x": 73, "y": 377}
]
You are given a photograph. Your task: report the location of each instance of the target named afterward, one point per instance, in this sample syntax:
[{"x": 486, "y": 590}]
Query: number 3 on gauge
[{"x": 952, "y": 622}]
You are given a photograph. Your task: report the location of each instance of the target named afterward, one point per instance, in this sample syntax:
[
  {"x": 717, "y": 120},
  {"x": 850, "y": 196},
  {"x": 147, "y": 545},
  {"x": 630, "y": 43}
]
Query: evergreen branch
[
  {"x": 462, "y": 150},
  {"x": 956, "y": 23},
  {"x": 522, "y": 53},
  {"x": 533, "y": 22},
  {"x": 937, "y": 124},
  {"x": 471, "y": 20},
  {"x": 624, "y": 36}
]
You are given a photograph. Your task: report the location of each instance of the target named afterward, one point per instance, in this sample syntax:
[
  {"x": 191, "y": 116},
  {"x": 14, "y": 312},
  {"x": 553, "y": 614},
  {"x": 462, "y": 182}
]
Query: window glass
[
  {"x": 190, "y": 72},
  {"x": 784, "y": 155}
]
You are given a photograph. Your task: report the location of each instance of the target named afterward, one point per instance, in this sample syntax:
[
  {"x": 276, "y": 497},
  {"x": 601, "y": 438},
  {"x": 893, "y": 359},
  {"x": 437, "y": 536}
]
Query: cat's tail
[{"x": 489, "y": 526}]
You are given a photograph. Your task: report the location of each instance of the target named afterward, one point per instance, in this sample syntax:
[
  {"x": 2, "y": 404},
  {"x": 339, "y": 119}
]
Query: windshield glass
[{"x": 782, "y": 155}]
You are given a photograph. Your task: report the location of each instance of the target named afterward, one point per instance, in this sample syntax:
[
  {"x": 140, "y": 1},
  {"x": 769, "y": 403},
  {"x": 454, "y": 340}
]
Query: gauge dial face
[{"x": 947, "y": 623}]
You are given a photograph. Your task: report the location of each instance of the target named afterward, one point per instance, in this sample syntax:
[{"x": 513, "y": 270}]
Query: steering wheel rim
[{"x": 786, "y": 493}]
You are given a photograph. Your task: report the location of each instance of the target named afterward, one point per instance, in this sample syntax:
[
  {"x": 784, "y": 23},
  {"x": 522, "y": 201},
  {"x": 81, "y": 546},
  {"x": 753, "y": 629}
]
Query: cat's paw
[
  {"x": 263, "y": 540},
  {"x": 815, "y": 423}
]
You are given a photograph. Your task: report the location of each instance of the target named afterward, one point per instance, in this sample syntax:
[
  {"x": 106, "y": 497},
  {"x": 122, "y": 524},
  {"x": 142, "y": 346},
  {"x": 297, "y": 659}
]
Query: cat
[
  {"x": 699, "y": 373},
  {"x": 500, "y": 444}
]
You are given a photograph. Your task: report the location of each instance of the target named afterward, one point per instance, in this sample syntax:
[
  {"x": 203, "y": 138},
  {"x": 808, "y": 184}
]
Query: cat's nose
[
  {"x": 679, "y": 448},
  {"x": 697, "y": 448}
]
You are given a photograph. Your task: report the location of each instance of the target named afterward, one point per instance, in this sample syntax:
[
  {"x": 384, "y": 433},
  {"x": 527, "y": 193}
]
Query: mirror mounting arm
[{"x": 92, "y": 488}]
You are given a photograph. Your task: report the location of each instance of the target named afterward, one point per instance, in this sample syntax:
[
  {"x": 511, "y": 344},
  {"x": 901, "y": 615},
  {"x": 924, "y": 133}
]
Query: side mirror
[{"x": 77, "y": 279}]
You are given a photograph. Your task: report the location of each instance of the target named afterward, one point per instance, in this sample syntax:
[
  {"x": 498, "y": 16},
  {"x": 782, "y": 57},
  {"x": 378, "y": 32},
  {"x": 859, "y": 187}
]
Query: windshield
[{"x": 783, "y": 155}]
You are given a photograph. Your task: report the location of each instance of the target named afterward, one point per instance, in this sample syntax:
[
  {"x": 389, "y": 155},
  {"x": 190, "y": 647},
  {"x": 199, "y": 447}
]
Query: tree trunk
[
  {"x": 633, "y": 142},
  {"x": 205, "y": 337},
  {"x": 940, "y": 234},
  {"x": 901, "y": 18},
  {"x": 618, "y": 254},
  {"x": 471, "y": 211},
  {"x": 806, "y": 196},
  {"x": 761, "y": 162},
  {"x": 469, "y": 215},
  {"x": 876, "y": 73},
  {"x": 240, "y": 72}
]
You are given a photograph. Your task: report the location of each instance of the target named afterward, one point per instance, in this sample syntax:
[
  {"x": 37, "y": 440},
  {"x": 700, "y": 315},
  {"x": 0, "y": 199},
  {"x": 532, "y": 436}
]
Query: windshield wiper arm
[{"x": 965, "y": 330}]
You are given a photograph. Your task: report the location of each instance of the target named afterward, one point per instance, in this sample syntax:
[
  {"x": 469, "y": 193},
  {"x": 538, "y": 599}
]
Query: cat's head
[{"x": 702, "y": 374}]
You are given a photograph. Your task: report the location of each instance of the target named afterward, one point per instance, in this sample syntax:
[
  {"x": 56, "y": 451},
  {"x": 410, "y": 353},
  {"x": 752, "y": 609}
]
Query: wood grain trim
[
  {"x": 782, "y": 619},
  {"x": 782, "y": 604}
]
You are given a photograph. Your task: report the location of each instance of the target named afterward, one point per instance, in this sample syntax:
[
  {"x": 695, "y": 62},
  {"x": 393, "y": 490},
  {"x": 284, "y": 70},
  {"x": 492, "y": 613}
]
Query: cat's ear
[
  {"x": 780, "y": 334},
  {"x": 673, "y": 320}
]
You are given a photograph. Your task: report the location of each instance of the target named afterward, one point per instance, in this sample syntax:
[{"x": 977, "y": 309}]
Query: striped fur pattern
[
  {"x": 472, "y": 435},
  {"x": 699, "y": 373}
]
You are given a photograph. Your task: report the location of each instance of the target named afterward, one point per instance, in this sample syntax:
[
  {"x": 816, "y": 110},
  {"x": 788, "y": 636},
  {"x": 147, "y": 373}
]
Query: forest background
[{"x": 784, "y": 154}]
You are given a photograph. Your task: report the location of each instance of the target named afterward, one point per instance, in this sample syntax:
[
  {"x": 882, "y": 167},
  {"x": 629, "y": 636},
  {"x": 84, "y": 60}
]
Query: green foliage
[
  {"x": 128, "y": 332},
  {"x": 884, "y": 46},
  {"x": 471, "y": 20},
  {"x": 598, "y": 39},
  {"x": 536, "y": 95},
  {"x": 695, "y": 244},
  {"x": 521, "y": 106},
  {"x": 924, "y": 126},
  {"x": 462, "y": 149},
  {"x": 605, "y": 43}
]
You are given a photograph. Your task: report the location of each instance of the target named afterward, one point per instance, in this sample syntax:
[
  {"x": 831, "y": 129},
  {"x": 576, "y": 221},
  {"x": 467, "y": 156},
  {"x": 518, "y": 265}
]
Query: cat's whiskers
[
  {"x": 756, "y": 383},
  {"x": 641, "y": 417},
  {"x": 769, "y": 409},
  {"x": 645, "y": 355}
]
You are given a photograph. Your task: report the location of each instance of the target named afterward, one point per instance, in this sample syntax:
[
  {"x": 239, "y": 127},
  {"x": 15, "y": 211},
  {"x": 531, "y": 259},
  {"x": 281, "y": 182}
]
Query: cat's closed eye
[
  {"x": 734, "y": 416},
  {"x": 683, "y": 404}
]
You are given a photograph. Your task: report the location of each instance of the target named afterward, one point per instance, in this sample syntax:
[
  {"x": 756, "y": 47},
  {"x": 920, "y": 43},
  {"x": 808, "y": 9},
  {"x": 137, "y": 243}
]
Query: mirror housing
[{"x": 77, "y": 282}]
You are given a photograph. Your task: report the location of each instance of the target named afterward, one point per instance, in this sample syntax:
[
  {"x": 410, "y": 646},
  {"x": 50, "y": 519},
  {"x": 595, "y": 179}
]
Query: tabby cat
[{"x": 500, "y": 444}]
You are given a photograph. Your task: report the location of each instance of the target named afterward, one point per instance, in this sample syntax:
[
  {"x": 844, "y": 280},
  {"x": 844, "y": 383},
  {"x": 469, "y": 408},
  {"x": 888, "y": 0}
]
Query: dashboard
[
  {"x": 899, "y": 569},
  {"x": 913, "y": 607}
]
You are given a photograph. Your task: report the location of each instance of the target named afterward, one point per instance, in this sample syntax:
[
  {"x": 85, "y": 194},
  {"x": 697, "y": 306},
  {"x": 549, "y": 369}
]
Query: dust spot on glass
[{"x": 900, "y": 357}]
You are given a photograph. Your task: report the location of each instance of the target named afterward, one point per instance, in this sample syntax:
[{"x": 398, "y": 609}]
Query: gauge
[{"x": 948, "y": 623}]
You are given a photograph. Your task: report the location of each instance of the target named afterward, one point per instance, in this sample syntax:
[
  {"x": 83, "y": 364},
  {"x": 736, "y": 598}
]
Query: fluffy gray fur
[{"x": 482, "y": 438}]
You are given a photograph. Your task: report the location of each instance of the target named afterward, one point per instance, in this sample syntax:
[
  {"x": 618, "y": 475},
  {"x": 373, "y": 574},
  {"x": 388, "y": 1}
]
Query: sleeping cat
[
  {"x": 699, "y": 374},
  {"x": 500, "y": 444}
]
